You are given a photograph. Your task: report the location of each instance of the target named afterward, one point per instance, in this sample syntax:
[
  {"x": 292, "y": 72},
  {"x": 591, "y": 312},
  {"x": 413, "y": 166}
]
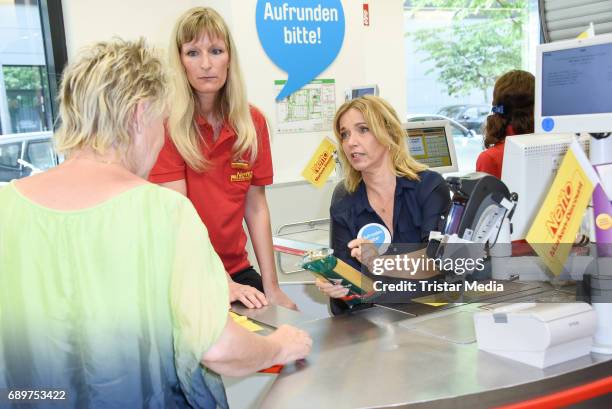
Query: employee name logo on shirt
[
  {"x": 241, "y": 176},
  {"x": 240, "y": 165}
]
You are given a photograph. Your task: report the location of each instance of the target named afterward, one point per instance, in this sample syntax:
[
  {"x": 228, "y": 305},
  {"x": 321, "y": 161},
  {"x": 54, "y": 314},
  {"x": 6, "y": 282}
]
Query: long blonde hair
[
  {"x": 232, "y": 99},
  {"x": 100, "y": 92},
  {"x": 386, "y": 127}
]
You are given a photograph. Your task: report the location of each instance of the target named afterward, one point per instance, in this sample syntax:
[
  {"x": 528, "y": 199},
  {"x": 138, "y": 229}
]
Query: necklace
[{"x": 382, "y": 206}]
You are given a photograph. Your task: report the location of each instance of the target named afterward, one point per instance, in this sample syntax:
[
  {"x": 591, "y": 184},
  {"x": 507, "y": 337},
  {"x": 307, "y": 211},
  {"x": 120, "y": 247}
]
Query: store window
[
  {"x": 28, "y": 99},
  {"x": 455, "y": 50},
  {"x": 32, "y": 55}
]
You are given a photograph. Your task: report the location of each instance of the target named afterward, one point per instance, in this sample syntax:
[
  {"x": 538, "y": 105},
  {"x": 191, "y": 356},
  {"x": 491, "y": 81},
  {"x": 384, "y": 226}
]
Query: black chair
[
  {"x": 336, "y": 306},
  {"x": 338, "y": 194}
]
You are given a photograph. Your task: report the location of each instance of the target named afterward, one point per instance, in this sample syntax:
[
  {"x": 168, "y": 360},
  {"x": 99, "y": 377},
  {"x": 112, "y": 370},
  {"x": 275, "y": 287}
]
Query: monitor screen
[
  {"x": 356, "y": 92},
  {"x": 573, "y": 83},
  {"x": 577, "y": 81},
  {"x": 359, "y": 92},
  {"x": 429, "y": 146}
]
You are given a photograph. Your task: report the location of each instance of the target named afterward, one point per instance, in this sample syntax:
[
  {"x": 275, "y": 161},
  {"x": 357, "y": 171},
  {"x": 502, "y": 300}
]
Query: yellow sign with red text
[
  {"x": 555, "y": 227},
  {"x": 321, "y": 164}
]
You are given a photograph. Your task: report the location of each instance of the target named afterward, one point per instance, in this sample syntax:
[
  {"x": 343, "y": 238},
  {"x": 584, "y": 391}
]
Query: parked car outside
[
  {"x": 24, "y": 154},
  {"x": 470, "y": 116},
  {"x": 468, "y": 145},
  {"x": 458, "y": 129}
]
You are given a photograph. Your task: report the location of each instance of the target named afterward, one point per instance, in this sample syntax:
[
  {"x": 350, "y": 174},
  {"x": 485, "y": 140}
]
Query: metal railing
[{"x": 294, "y": 239}]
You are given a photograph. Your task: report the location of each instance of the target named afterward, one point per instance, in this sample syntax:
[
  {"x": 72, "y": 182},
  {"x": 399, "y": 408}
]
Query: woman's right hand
[
  {"x": 329, "y": 289},
  {"x": 294, "y": 343},
  {"x": 363, "y": 250}
]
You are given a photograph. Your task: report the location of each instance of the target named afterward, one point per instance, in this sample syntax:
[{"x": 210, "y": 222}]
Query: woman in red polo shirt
[
  {"x": 217, "y": 153},
  {"x": 513, "y": 100}
]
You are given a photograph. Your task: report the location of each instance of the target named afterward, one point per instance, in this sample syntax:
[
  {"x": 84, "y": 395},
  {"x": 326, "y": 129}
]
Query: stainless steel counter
[
  {"x": 272, "y": 315},
  {"x": 381, "y": 357}
]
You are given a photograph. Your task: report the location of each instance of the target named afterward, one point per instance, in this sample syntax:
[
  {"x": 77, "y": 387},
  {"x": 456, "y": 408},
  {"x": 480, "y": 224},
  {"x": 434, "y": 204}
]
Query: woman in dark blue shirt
[{"x": 384, "y": 185}]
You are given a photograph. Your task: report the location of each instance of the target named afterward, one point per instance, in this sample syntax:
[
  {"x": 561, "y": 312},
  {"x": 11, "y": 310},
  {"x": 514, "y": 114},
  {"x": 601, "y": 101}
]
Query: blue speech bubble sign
[{"x": 302, "y": 37}]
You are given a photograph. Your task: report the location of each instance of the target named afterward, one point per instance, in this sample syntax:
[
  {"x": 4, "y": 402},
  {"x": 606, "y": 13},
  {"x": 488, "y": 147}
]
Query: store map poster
[{"x": 310, "y": 109}]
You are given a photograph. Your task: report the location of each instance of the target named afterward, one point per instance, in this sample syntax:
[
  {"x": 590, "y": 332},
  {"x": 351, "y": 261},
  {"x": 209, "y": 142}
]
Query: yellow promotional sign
[
  {"x": 321, "y": 164},
  {"x": 555, "y": 227},
  {"x": 588, "y": 33}
]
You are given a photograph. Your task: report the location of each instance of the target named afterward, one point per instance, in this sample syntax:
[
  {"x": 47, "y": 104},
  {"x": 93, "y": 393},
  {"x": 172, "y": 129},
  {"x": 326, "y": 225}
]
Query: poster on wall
[{"x": 310, "y": 109}]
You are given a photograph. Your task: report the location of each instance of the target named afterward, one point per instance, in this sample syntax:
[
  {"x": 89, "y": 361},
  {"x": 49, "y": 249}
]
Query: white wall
[
  {"x": 373, "y": 54},
  {"x": 369, "y": 55},
  {"x": 87, "y": 21}
]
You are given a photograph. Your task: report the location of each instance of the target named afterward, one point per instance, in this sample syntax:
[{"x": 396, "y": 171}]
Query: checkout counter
[
  {"x": 416, "y": 356},
  {"x": 422, "y": 354}
]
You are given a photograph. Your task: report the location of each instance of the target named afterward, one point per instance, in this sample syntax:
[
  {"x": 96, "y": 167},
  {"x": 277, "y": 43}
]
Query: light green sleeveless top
[{"x": 114, "y": 304}]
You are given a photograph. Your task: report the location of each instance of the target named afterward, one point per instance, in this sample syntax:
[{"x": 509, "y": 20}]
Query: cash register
[{"x": 537, "y": 334}]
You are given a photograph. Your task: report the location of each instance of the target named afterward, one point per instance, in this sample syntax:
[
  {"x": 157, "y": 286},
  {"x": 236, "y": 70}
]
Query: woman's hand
[
  {"x": 295, "y": 344},
  {"x": 331, "y": 290},
  {"x": 251, "y": 297},
  {"x": 363, "y": 250},
  {"x": 276, "y": 296}
]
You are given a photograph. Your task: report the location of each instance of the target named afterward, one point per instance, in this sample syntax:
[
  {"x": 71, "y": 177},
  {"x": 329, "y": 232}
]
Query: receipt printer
[{"x": 540, "y": 335}]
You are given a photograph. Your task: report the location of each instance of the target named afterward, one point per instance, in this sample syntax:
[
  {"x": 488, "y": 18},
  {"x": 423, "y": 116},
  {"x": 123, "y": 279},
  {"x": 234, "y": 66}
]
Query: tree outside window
[
  {"x": 32, "y": 53},
  {"x": 27, "y": 93},
  {"x": 455, "y": 51}
]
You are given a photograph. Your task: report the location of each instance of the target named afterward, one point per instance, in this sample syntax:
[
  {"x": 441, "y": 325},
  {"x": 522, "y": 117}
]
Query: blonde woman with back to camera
[
  {"x": 217, "y": 153},
  {"x": 111, "y": 291}
]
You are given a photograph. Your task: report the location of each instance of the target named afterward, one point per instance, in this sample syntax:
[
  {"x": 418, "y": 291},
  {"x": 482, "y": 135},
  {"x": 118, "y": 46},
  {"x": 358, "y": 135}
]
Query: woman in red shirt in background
[
  {"x": 217, "y": 153},
  {"x": 513, "y": 101}
]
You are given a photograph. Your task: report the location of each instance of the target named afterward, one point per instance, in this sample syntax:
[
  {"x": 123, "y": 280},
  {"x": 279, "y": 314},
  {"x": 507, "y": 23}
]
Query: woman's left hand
[{"x": 276, "y": 296}]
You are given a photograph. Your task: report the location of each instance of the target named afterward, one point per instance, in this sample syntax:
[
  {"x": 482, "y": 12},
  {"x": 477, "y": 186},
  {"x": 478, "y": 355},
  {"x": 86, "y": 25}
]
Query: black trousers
[{"x": 249, "y": 276}]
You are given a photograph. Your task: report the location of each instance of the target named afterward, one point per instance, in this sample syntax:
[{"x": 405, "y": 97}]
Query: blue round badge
[
  {"x": 378, "y": 234},
  {"x": 548, "y": 124}
]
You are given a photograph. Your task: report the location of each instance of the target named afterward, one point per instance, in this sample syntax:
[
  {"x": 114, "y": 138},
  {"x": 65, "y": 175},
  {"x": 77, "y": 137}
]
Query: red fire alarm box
[{"x": 366, "y": 14}]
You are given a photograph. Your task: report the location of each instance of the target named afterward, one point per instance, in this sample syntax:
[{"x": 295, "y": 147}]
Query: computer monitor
[
  {"x": 574, "y": 86},
  {"x": 530, "y": 165},
  {"x": 356, "y": 92},
  {"x": 431, "y": 143}
]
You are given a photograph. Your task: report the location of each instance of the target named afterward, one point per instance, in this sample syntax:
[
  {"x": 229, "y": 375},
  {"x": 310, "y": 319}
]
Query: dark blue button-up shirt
[{"x": 420, "y": 207}]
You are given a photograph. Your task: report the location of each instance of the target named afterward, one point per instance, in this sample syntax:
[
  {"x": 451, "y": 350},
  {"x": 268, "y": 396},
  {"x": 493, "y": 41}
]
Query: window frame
[{"x": 56, "y": 52}]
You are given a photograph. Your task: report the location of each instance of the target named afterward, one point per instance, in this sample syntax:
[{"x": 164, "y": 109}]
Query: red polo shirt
[
  {"x": 491, "y": 159},
  {"x": 219, "y": 193}
]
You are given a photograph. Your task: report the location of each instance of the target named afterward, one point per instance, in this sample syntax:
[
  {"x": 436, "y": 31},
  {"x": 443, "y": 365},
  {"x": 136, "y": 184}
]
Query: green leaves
[
  {"x": 18, "y": 78},
  {"x": 483, "y": 41}
]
